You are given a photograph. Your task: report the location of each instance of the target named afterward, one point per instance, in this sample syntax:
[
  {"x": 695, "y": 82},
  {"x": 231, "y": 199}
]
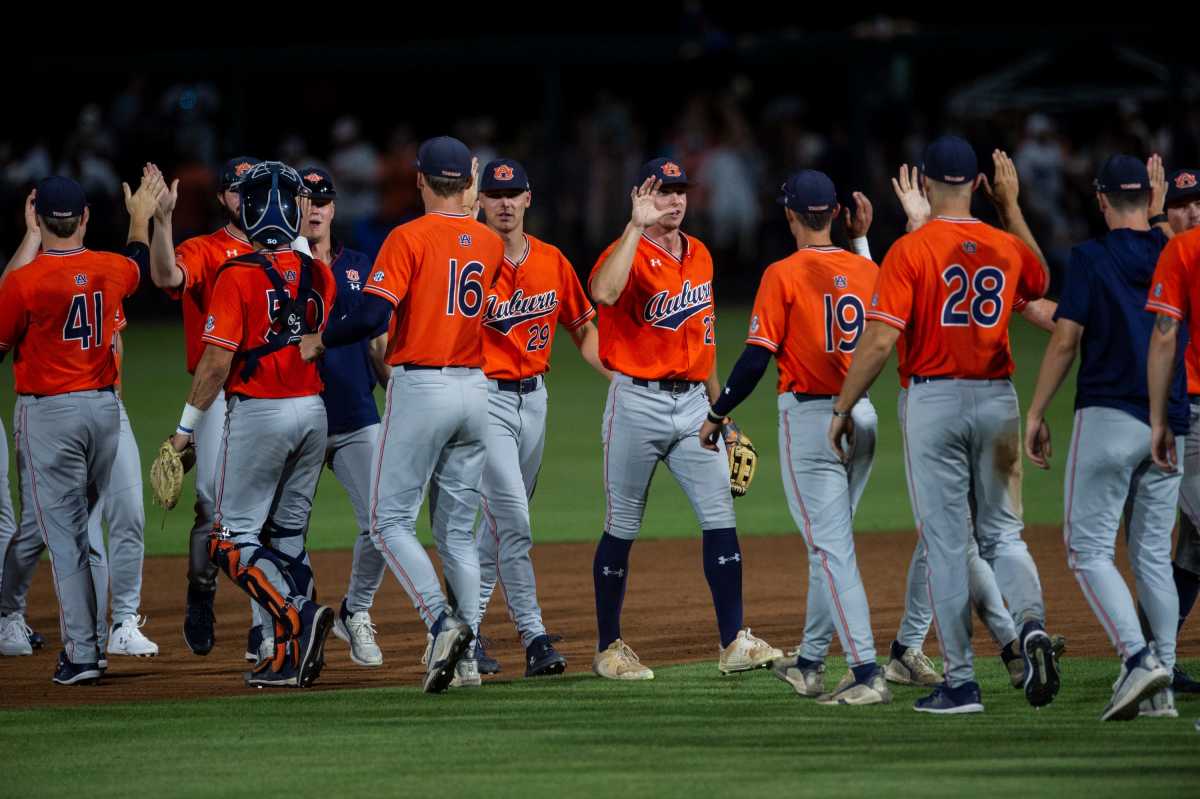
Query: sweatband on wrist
[
  {"x": 189, "y": 419},
  {"x": 861, "y": 246}
]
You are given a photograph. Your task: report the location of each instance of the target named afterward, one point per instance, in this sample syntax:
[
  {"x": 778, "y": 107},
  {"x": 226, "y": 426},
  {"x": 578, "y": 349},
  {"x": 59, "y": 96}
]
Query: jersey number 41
[{"x": 80, "y": 326}]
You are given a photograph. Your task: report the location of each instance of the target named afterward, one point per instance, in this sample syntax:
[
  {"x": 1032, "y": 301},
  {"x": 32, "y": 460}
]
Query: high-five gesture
[
  {"x": 144, "y": 203},
  {"x": 907, "y": 186},
  {"x": 1158, "y": 184},
  {"x": 645, "y": 213},
  {"x": 1005, "y": 186},
  {"x": 858, "y": 221}
]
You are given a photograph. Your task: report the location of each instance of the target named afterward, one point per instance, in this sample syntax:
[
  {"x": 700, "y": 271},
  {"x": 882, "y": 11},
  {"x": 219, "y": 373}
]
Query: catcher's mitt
[
  {"x": 166, "y": 473},
  {"x": 743, "y": 459}
]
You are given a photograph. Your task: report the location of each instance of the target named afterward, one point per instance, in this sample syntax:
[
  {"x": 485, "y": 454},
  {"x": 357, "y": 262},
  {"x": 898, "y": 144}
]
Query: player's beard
[{"x": 232, "y": 219}]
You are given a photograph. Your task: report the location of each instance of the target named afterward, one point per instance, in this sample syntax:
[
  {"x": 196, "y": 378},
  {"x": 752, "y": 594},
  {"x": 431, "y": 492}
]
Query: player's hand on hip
[
  {"x": 311, "y": 347},
  {"x": 710, "y": 433},
  {"x": 907, "y": 186},
  {"x": 1037, "y": 442},
  {"x": 1162, "y": 448},
  {"x": 645, "y": 213},
  {"x": 858, "y": 221},
  {"x": 180, "y": 441},
  {"x": 1158, "y": 184},
  {"x": 841, "y": 437}
]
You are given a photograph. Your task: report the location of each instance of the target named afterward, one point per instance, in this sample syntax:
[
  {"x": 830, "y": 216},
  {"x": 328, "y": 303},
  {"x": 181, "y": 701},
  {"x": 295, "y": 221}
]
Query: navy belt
[
  {"x": 812, "y": 397},
  {"x": 526, "y": 386},
  {"x": 109, "y": 389},
  {"x": 670, "y": 386},
  {"x": 916, "y": 380},
  {"x": 1193, "y": 397},
  {"x": 416, "y": 367}
]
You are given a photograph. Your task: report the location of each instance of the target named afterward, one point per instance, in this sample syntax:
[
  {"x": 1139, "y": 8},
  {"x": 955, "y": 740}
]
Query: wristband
[
  {"x": 715, "y": 418},
  {"x": 861, "y": 247},
  {"x": 300, "y": 244},
  {"x": 1158, "y": 219},
  {"x": 841, "y": 414},
  {"x": 189, "y": 419}
]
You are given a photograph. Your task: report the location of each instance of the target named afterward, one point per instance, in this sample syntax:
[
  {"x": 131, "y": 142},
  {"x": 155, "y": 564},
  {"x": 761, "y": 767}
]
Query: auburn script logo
[
  {"x": 504, "y": 316},
  {"x": 669, "y": 311}
]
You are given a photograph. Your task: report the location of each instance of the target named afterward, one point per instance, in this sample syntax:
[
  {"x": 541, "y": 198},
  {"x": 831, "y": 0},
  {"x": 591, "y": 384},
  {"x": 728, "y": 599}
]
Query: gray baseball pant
[
  {"x": 202, "y": 573},
  {"x": 349, "y": 456}
]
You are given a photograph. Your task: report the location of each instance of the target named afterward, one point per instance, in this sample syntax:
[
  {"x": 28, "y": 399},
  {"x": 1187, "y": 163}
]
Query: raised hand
[
  {"x": 1158, "y": 184},
  {"x": 858, "y": 222},
  {"x": 642, "y": 197},
  {"x": 144, "y": 203},
  {"x": 471, "y": 195},
  {"x": 908, "y": 191},
  {"x": 31, "y": 221},
  {"x": 1003, "y": 189}
]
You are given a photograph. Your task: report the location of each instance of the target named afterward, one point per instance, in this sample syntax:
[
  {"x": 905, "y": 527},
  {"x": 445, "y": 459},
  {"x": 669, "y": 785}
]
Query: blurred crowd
[{"x": 736, "y": 143}]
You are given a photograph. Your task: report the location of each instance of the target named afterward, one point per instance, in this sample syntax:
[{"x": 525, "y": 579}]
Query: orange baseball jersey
[
  {"x": 199, "y": 258},
  {"x": 239, "y": 320},
  {"x": 663, "y": 326},
  {"x": 810, "y": 312},
  {"x": 58, "y": 315},
  {"x": 1175, "y": 292},
  {"x": 525, "y": 306},
  {"x": 436, "y": 271},
  {"x": 950, "y": 288}
]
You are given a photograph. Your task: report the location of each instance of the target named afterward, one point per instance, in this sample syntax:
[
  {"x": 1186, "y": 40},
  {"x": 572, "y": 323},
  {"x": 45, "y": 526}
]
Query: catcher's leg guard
[
  {"x": 287, "y": 544},
  {"x": 248, "y": 565}
]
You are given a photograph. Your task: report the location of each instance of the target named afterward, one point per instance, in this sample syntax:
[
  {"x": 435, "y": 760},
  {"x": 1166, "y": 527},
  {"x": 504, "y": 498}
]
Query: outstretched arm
[
  {"x": 587, "y": 339},
  {"x": 609, "y": 280},
  {"x": 1056, "y": 363},
  {"x": 1003, "y": 193},
  {"x": 31, "y": 242}
]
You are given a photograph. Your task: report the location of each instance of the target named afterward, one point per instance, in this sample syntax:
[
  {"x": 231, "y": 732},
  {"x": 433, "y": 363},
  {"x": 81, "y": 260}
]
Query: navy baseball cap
[
  {"x": 809, "y": 191},
  {"x": 666, "y": 170},
  {"x": 503, "y": 174},
  {"x": 234, "y": 170},
  {"x": 59, "y": 198},
  {"x": 1183, "y": 185},
  {"x": 444, "y": 157},
  {"x": 1123, "y": 173},
  {"x": 318, "y": 182},
  {"x": 949, "y": 159}
]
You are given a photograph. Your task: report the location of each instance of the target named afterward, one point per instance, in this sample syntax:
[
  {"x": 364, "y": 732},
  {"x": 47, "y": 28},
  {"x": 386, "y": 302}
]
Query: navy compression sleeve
[
  {"x": 371, "y": 314},
  {"x": 745, "y": 376}
]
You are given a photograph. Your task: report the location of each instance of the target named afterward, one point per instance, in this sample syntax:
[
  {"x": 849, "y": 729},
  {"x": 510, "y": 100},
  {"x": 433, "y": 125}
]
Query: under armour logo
[
  {"x": 736, "y": 557},
  {"x": 655, "y": 262},
  {"x": 607, "y": 572}
]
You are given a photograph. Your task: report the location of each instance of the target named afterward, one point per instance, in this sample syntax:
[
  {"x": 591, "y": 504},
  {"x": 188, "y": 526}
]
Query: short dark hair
[
  {"x": 63, "y": 228},
  {"x": 1129, "y": 200},
  {"x": 447, "y": 187},
  {"x": 815, "y": 220}
]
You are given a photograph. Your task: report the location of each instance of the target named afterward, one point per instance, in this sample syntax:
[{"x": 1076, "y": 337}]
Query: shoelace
[
  {"x": 922, "y": 660},
  {"x": 363, "y": 627},
  {"x": 628, "y": 653},
  {"x": 17, "y": 623}
]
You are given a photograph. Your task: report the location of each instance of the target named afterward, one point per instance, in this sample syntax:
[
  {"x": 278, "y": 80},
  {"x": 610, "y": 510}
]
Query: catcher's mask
[{"x": 270, "y": 214}]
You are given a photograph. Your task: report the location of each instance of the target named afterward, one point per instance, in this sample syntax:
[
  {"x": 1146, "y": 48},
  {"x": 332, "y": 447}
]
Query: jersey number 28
[
  {"x": 87, "y": 330},
  {"x": 984, "y": 308}
]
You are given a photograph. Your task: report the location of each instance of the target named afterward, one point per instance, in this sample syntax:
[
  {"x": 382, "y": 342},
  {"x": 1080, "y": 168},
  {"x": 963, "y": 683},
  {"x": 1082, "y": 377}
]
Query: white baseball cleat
[
  {"x": 872, "y": 691},
  {"x": 619, "y": 662},
  {"x": 1161, "y": 705},
  {"x": 808, "y": 682},
  {"x": 14, "y": 636},
  {"x": 357, "y": 630},
  {"x": 127, "y": 638},
  {"x": 746, "y": 652},
  {"x": 428, "y": 649},
  {"x": 913, "y": 668},
  {"x": 1145, "y": 679},
  {"x": 466, "y": 674}
]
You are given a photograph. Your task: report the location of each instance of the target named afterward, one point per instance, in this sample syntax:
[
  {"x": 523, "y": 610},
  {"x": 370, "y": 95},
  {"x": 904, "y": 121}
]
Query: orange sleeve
[
  {"x": 190, "y": 257},
  {"x": 14, "y": 315},
  {"x": 1032, "y": 283},
  {"x": 1168, "y": 287},
  {"x": 120, "y": 320},
  {"x": 603, "y": 256},
  {"x": 226, "y": 323},
  {"x": 328, "y": 291},
  {"x": 577, "y": 309},
  {"x": 768, "y": 320},
  {"x": 892, "y": 301},
  {"x": 392, "y": 272}
]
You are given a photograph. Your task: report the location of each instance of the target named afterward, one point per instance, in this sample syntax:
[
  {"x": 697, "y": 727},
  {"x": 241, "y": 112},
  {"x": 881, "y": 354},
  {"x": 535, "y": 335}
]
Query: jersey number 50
[
  {"x": 985, "y": 306},
  {"x": 844, "y": 322},
  {"x": 88, "y": 331},
  {"x": 465, "y": 292}
]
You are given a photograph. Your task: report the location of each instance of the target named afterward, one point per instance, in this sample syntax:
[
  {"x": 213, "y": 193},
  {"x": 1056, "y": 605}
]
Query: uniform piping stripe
[
  {"x": 63, "y": 253},
  {"x": 848, "y": 639},
  {"x": 382, "y": 292},
  {"x": 232, "y": 233},
  {"x": 221, "y": 483},
  {"x": 671, "y": 255},
  {"x": 1162, "y": 307},
  {"x": 37, "y": 507},
  {"x": 958, "y": 219},
  {"x": 1092, "y": 598},
  {"x": 763, "y": 342},
  {"x": 607, "y": 447},
  {"x": 491, "y": 522},
  {"x": 463, "y": 215},
  {"x": 588, "y": 314},
  {"x": 887, "y": 319},
  {"x": 524, "y": 256},
  {"x": 401, "y": 574},
  {"x": 223, "y": 343}
]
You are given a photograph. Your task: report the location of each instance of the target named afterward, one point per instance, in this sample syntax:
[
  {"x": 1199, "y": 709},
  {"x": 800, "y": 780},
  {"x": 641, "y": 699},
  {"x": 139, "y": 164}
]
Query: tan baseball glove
[
  {"x": 743, "y": 459},
  {"x": 167, "y": 471}
]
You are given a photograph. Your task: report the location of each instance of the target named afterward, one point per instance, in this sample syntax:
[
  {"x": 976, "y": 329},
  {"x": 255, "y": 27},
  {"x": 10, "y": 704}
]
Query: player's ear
[
  {"x": 86, "y": 215},
  {"x": 528, "y": 198},
  {"x": 1102, "y": 202}
]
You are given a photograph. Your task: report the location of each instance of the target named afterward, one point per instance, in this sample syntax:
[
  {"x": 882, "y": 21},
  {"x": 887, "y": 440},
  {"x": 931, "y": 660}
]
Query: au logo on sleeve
[{"x": 210, "y": 324}]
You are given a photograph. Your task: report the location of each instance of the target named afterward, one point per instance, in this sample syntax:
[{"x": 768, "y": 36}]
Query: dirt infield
[{"x": 668, "y": 618}]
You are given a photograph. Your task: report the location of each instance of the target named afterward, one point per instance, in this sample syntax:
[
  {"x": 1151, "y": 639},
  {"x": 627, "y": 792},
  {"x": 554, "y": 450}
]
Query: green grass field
[
  {"x": 570, "y": 499},
  {"x": 689, "y": 733}
]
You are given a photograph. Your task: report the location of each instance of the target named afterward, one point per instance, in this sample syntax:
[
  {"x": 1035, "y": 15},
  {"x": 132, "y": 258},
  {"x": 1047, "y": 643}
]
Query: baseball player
[
  {"x": 350, "y": 374},
  {"x": 1183, "y": 214},
  {"x": 435, "y": 271},
  {"x": 658, "y": 335},
  {"x": 908, "y": 664},
  {"x": 808, "y": 313},
  {"x": 949, "y": 289},
  {"x": 275, "y": 433},
  {"x": 57, "y": 315},
  {"x": 1101, "y": 314},
  {"x": 536, "y": 291},
  {"x": 188, "y": 273}
]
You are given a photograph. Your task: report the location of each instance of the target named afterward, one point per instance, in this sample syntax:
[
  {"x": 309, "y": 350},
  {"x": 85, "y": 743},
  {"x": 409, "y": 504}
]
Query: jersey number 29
[{"x": 87, "y": 330}]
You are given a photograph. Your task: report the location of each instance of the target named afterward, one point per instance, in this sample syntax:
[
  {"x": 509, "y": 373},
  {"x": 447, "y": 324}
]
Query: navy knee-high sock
[
  {"x": 1187, "y": 585},
  {"x": 723, "y": 570},
  {"x": 610, "y": 570}
]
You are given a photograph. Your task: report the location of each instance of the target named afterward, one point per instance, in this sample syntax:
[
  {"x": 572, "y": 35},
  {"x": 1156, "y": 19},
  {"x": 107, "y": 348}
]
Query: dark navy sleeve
[
  {"x": 745, "y": 376},
  {"x": 373, "y": 313},
  {"x": 1076, "y": 290}
]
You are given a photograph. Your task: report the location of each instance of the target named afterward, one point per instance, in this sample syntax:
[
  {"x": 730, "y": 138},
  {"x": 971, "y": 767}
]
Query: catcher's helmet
[{"x": 270, "y": 214}]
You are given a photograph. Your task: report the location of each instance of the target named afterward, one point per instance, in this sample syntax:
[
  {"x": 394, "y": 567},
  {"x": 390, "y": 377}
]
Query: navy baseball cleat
[
  {"x": 254, "y": 644},
  {"x": 277, "y": 671},
  {"x": 69, "y": 673},
  {"x": 947, "y": 701},
  {"x": 199, "y": 622},
  {"x": 1041, "y": 668},
  {"x": 487, "y": 664},
  {"x": 317, "y": 621},
  {"x": 541, "y": 660},
  {"x": 1181, "y": 683},
  {"x": 451, "y": 641}
]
